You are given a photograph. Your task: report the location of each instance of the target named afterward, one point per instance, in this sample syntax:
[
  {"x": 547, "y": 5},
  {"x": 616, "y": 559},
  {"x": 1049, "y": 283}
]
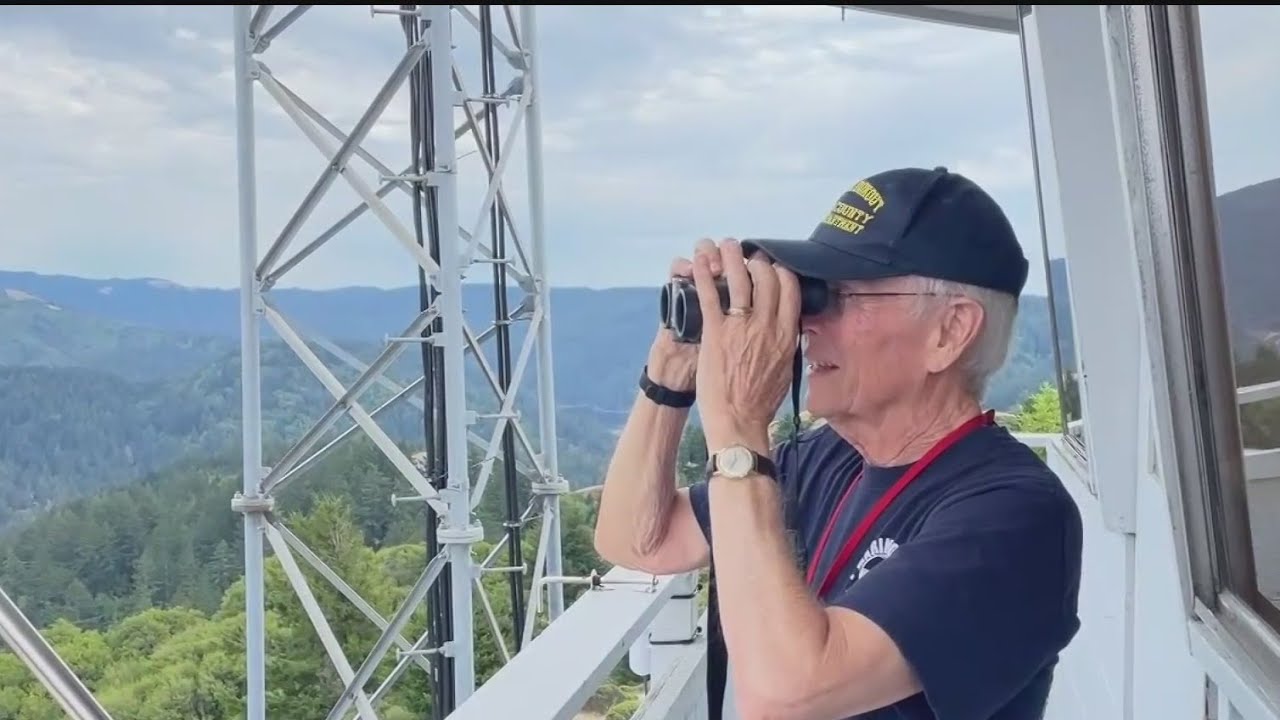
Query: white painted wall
[{"x": 1132, "y": 646}]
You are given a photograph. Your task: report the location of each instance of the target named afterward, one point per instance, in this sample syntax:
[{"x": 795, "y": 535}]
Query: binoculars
[{"x": 680, "y": 312}]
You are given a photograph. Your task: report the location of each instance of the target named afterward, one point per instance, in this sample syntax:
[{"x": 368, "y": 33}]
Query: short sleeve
[{"x": 982, "y": 598}]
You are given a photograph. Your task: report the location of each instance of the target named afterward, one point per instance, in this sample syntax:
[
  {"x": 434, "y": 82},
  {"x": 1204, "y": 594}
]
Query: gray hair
[{"x": 987, "y": 354}]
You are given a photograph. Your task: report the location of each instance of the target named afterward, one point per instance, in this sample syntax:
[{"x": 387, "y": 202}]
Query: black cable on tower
[
  {"x": 435, "y": 435},
  {"x": 502, "y": 324}
]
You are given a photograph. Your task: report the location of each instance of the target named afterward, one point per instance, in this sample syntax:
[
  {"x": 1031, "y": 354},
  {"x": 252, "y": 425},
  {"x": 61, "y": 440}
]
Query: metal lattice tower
[{"x": 444, "y": 247}]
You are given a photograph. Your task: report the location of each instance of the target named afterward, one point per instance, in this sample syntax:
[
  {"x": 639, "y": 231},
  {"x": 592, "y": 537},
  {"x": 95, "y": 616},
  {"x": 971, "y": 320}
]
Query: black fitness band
[{"x": 664, "y": 395}]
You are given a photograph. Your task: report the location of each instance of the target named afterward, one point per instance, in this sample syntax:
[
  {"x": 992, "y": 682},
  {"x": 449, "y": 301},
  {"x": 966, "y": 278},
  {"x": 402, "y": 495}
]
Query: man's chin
[{"x": 816, "y": 410}]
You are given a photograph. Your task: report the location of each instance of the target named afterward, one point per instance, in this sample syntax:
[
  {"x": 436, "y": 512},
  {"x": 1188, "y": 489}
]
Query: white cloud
[
  {"x": 747, "y": 120},
  {"x": 1001, "y": 166},
  {"x": 93, "y": 143},
  {"x": 662, "y": 125},
  {"x": 1240, "y": 60},
  {"x": 49, "y": 91}
]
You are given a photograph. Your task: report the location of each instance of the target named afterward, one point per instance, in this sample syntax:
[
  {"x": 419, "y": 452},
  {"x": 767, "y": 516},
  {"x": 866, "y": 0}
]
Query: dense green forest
[
  {"x": 85, "y": 429},
  {"x": 139, "y": 588}
]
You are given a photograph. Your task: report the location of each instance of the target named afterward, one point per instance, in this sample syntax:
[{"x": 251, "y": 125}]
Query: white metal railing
[
  {"x": 1257, "y": 393},
  {"x": 1262, "y": 492},
  {"x": 1037, "y": 440},
  {"x": 1260, "y": 464},
  {"x": 678, "y": 691},
  {"x": 555, "y": 675}
]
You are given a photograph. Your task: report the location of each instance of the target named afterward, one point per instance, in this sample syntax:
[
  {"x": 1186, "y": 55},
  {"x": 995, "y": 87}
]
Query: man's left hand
[{"x": 744, "y": 365}]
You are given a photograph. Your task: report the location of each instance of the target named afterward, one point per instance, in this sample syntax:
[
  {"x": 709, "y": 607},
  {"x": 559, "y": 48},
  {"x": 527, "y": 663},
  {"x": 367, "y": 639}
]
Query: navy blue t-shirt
[{"x": 974, "y": 570}]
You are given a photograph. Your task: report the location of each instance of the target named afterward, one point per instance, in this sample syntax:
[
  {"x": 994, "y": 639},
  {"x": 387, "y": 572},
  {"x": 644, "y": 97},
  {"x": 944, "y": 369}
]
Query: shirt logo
[{"x": 880, "y": 549}]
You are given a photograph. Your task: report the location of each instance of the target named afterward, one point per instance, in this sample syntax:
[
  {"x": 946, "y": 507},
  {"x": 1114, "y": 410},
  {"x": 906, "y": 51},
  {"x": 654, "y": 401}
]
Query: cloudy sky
[{"x": 661, "y": 125}]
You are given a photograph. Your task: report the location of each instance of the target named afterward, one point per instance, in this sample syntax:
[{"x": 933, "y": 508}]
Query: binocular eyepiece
[{"x": 682, "y": 315}]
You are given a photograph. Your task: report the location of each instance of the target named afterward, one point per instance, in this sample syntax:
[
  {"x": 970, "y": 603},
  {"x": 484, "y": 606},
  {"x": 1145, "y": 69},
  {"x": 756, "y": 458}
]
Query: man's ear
[{"x": 959, "y": 323}]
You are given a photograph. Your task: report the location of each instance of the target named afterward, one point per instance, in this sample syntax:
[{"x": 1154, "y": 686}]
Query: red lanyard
[{"x": 986, "y": 418}]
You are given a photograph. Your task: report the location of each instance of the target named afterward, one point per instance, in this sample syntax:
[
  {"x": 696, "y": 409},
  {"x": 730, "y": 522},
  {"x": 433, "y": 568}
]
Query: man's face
[{"x": 864, "y": 350}]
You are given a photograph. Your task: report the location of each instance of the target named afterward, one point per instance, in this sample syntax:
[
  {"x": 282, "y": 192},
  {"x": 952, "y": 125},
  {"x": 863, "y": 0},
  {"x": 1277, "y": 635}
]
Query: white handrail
[
  {"x": 1260, "y": 392},
  {"x": 681, "y": 692},
  {"x": 554, "y": 676}
]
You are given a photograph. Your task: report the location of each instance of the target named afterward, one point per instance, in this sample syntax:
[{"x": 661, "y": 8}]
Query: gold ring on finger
[{"x": 738, "y": 311}]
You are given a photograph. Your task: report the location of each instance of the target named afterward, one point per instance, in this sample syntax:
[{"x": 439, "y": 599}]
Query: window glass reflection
[
  {"x": 1240, "y": 58},
  {"x": 1057, "y": 405}
]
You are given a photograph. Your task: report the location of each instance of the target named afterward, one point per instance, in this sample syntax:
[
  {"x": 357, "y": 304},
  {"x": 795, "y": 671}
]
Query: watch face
[{"x": 736, "y": 461}]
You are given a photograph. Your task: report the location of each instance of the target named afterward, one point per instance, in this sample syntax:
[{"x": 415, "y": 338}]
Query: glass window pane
[
  {"x": 1243, "y": 104},
  {"x": 1056, "y": 407}
]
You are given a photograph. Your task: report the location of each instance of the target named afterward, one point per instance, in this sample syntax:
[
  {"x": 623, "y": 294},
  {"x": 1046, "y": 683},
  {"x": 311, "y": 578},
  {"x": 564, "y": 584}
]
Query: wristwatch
[{"x": 739, "y": 461}]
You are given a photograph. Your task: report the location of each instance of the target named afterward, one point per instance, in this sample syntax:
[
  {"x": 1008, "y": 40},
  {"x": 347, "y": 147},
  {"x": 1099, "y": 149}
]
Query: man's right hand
[{"x": 674, "y": 364}]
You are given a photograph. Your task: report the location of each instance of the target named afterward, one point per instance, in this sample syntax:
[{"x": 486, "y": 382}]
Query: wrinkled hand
[
  {"x": 674, "y": 364},
  {"x": 744, "y": 364}
]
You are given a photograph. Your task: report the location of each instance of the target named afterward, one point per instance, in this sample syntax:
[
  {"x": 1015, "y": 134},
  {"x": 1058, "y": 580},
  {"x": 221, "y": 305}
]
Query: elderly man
[{"x": 906, "y": 559}]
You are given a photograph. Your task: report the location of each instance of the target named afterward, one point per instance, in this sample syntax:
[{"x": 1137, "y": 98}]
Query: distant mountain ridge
[
  {"x": 598, "y": 334},
  {"x": 1249, "y": 225},
  {"x": 619, "y": 322},
  {"x": 341, "y": 313},
  {"x": 40, "y": 333},
  {"x": 72, "y": 428}
]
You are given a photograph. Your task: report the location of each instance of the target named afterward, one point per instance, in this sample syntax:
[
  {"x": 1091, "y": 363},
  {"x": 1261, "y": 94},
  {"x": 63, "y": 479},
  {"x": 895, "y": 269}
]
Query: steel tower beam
[
  {"x": 494, "y": 236},
  {"x": 250, "y": 365},
  {"x": 20, "y": 636}
]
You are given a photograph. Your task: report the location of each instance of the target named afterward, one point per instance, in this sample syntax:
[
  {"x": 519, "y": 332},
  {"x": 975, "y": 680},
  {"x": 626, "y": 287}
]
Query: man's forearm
[
  {"x": 774, "y": 628},
  {"x": 639, "y": 486}
]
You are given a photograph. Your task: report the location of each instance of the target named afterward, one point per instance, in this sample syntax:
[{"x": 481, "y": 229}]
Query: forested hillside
[
  {"x": 140, "y": 589},
  {"x": 179, "y": 653},
  {"x": 91, "y": 399},
  {"x": 39, "y": 333},
  {"x": 74, "y": 428}
]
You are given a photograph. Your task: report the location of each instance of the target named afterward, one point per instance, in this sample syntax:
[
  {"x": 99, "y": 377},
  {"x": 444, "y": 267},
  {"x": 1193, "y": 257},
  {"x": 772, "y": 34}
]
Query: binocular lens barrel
[{"x": 680, "y": 311}]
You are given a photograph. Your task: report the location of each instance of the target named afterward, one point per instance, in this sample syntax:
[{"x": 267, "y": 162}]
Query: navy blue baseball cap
[{"x": 909, "y": 221}]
